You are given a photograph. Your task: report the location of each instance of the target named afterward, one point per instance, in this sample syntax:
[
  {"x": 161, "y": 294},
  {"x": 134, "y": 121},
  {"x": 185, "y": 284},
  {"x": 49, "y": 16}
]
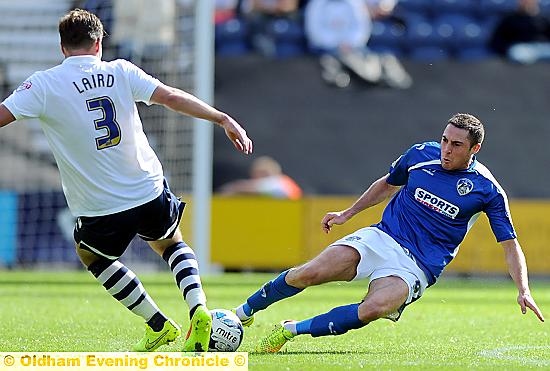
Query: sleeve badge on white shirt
[{"x": 26, "y": 85}]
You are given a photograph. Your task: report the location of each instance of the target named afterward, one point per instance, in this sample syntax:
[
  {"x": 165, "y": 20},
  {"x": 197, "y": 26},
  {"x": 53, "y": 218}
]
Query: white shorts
[{"x": 382, "y": 256}]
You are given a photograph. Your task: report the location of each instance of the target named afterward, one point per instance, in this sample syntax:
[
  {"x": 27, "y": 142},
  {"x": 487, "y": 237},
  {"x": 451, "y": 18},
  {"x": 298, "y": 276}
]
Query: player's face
[{"x": 456, "y": 148}]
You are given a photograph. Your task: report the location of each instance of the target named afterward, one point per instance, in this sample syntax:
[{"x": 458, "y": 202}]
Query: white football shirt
[{"x": 88, "y": 113}]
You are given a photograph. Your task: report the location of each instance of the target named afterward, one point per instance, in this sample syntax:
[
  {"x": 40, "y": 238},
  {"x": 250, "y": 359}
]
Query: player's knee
[
  {"x": 372, "y": 310},
  {"x": 304, "y": 276},
  {"x": 86, "y": 257}
]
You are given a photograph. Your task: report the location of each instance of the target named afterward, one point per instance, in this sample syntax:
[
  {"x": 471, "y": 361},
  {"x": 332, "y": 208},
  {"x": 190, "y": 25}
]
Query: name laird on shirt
[{"x": 98, "y": 80}]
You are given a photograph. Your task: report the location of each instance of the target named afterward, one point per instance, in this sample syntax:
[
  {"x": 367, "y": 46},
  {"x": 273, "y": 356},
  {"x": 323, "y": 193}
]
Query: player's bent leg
[
  {"x": 152, "y": 339},
  {"x": 335, "y": 263},
  {"x": 198, "y": 336},
  {"x": 123, "y": 285},
  {"x": 386, "y": 296},
  {"x": 184, "y": 266}
]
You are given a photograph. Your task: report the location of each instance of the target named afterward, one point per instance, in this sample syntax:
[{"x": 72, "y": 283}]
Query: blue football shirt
[{"x": 434, "y": 209}]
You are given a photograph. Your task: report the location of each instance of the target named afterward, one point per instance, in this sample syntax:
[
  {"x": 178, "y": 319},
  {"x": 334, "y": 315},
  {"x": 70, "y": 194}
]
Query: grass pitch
[{"x": 457, "y": 325}]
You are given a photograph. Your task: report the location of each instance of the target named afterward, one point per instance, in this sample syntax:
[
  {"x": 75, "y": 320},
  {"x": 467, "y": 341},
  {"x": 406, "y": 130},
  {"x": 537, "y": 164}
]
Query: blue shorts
[{"x": 109, "y": 235}]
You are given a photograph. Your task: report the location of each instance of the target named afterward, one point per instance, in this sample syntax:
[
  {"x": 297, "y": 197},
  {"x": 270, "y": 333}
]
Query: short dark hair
[
  {"x": 476, "y": 132},
  {"x": 80, "y": 29}
]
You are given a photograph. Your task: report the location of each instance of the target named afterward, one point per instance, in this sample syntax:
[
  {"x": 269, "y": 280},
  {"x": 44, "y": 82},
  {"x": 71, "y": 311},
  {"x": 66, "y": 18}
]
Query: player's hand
[
  {"x": 237, "y": 135},
  {"x": 331, "y": 218},
  {"x": 526, "y": 301}
]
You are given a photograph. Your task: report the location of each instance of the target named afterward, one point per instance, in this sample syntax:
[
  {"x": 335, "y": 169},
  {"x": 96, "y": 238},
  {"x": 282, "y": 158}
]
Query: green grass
[{"x": 457, "y": 325}]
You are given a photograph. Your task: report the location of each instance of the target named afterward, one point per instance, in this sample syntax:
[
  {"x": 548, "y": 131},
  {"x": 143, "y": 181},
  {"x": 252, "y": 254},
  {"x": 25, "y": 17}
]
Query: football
[{"x": 227, "y": 331}]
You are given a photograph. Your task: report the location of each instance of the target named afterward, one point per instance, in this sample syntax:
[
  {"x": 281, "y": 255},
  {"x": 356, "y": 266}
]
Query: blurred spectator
[
  {"x": 261, "y": 14},
  {"x": 380, "y": 8},
  {"x": 136, "y": 29},
  {"x": 523, "y": 35},
  {"x": 333, "y": 25},
  {"x": 266, "y": 178},
  {"x": 225, "y": 10},
  {"x": 143, "y": 28},
  {"x": 340, "y": 30},
  {"x": 104, "y": 10}
]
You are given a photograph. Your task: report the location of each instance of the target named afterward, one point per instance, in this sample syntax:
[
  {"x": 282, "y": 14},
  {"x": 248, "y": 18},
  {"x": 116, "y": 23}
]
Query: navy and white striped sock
[
  {"x": 184, "y": 266},
  {"x": 124, "y": 286}
]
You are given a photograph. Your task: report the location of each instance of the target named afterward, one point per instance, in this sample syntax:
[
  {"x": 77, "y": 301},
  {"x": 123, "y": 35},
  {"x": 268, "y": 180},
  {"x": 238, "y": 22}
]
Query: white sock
[
  {"x": 240, "y": 313},
  {"x": 291, "y": 326}
]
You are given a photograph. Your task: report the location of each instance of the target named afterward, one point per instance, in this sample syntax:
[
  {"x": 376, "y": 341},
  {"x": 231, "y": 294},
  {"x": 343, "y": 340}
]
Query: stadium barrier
[
  {"x": 8, "y": 227},
  {"x": 255, "y": 233}
]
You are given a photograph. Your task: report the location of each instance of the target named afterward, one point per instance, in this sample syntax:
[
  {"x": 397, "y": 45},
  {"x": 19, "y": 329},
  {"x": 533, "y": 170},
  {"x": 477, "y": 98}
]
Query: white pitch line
[{"x": 503, "y": 354}]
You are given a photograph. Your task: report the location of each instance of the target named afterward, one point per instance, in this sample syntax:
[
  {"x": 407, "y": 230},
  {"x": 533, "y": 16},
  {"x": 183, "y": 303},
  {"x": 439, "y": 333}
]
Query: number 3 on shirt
[{"x": 107, "y": 122}]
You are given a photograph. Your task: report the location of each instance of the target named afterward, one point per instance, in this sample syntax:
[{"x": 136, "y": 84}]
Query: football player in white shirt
[{"x": 112, "y": 179}]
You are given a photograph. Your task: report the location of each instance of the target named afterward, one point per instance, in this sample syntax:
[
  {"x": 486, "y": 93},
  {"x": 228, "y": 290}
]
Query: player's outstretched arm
[
  {"x": 515, "y": 259},
  {"x": 376, "y": 193},
  {"x": 183, "y": 102},
  {"x": 5, "y": 116}
]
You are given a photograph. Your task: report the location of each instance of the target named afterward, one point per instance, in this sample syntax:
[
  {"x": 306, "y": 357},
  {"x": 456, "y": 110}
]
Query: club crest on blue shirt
[{"x": 464, "y": 186}]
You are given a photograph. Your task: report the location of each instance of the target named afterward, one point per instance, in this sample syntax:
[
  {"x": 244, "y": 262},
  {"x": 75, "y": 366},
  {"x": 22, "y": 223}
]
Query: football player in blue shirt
[{"x": 437, "y": 192}]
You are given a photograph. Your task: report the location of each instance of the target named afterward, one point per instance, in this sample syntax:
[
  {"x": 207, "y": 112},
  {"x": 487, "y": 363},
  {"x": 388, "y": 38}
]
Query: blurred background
[{"x": 331, "y": 91}]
